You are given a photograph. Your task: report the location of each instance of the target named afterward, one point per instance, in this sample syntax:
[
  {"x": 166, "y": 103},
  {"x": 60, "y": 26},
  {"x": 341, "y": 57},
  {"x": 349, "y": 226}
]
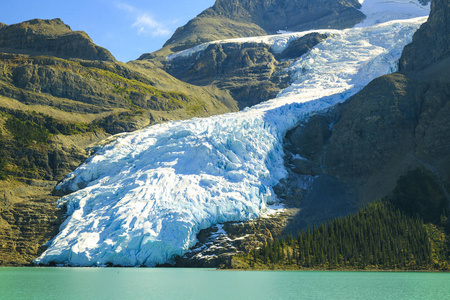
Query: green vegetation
[
  {"x": 27, "y": 127},
  {"x": 408, "y": 231},
  {"x": 379, "y": 236},
  {"x": 195, "y": 109},
  {"x": 25, "y": 152},
  {"x": 419, "y": 193},
  {"x": 134, "y": 91},
  {"x": 25, "y": 132},
  {"x": 3, "y": 162}
]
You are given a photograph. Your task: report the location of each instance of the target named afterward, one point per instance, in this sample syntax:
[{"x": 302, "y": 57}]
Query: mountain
[
  {"x": 431, "y": 42},
  {"x": 231, "y": 19},
  {"x": 394, "y": 128},
  {"x": 45, "y": 63},
  {"x": 252, "y": 72},
  {"x": 61, "y": 95},
  {"x": 50, "y": 37},
  {"x": 143, "y": 199}
]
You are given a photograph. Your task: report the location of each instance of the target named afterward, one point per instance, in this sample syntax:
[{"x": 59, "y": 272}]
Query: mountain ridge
[
  {"x": 50, "y": 37},
  {"x": 418, "y": 55},
  {"x": 257, "y": 17}
]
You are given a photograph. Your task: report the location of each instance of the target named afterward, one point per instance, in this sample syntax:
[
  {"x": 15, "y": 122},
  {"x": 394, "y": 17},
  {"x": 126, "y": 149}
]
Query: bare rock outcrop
[
  {"x": 50, "y": 37},
  {"x": 396, "y": 125}
]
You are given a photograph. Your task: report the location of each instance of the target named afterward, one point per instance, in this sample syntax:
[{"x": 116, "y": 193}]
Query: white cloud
[
  {"x": 126, "y": 7},
  {"x": 148, "y": 26},
  {"x": 144, "y": 23}
]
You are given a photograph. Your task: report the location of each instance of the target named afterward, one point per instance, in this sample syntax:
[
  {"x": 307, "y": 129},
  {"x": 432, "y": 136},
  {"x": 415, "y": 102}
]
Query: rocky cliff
[
  {"x": 251, "y": 72},
  {"x": 50, "y": 37},
  {"x": 420, "y": 53},
  {"x": 396, "y": 125},
  {"x": 87, "y": 79},
  {"x": 235, "y": 18}
]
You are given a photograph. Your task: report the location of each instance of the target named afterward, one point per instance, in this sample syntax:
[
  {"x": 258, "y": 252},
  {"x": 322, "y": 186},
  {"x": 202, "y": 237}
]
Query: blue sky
[{"x": 127, "y": 28}]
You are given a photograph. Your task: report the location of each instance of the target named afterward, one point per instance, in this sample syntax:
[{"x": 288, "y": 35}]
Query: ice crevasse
[{"x": 142, "y": 199}]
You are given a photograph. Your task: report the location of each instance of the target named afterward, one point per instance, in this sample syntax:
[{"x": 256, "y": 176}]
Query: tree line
[{"x": 380, "y": 236}]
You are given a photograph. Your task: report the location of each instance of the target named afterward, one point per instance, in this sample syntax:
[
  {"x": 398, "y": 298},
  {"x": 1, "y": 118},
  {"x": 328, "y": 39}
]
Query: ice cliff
[{"x": 142, "y": 199}]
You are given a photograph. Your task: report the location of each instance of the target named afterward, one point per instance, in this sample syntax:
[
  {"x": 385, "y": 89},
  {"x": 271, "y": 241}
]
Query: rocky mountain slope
[
  {"x": 431, "y": 43},
  {"x": 34, "y": 71},
  {"x": 50, "y": 37},
  {"x": 395, "y": 126},
  {"x": 230, "y": 19},
  {"x": 60, "y": 94},
  {"x": 251, "y": 72}
]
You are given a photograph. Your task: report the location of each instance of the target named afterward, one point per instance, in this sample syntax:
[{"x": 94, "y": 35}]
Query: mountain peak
[
  {"x": 48, "y": 27},
  {"x": 243, "y": 18},
  {"x": 50, "y": 37}
]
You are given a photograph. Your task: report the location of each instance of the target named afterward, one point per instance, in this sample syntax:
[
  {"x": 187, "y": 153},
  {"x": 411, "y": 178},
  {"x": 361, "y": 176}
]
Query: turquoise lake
[{"x": 171, "y": 283}]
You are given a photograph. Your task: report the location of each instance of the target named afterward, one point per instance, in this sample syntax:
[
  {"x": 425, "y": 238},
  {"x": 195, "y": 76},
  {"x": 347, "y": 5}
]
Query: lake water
[{"x": 171, "y": 283}]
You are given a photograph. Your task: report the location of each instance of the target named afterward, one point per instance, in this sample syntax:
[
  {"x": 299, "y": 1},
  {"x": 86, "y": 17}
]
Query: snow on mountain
[
  {"x": 380, "y": 11},
  {"x": 278, "y": 42},
  {"x": 376, "y": 11},
  {"x": 142, "y": 199}
]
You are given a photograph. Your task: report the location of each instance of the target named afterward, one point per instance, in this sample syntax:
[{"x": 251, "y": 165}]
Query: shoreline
[{"x": 240, "y": 270}]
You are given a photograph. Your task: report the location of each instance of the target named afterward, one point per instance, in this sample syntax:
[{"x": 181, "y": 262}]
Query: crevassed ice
[{"x": 147, "y": 194}]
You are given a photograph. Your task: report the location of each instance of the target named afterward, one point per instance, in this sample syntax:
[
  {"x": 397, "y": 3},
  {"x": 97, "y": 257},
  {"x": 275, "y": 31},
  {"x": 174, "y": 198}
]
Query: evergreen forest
[{"x": 408, "y": 231}]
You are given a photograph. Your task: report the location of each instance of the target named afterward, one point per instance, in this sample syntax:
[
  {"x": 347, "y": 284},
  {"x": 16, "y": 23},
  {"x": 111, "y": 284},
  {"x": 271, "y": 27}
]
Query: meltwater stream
[{"x": 142, "y": 199}]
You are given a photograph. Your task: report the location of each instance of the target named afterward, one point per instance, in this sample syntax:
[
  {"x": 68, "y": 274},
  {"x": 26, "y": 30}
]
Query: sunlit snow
[
  {"x": 142, "y": 199},
  {"x": 380, "y": 11}
]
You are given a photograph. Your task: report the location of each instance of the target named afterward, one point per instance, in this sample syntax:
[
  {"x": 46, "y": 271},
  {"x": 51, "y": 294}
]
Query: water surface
[{"x": 171, "y": 283}]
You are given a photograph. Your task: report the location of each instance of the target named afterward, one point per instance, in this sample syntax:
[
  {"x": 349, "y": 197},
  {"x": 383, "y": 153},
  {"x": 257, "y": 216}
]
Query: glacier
[
  {"x": 142, "y": 199},
  {"x": 380, "y": 11}
]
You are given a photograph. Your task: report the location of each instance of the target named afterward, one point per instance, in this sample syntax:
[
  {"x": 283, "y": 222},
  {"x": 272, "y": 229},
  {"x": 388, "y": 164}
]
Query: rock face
[
  {"x": 395, "y": 125},
  {"x": 277, "y": 15},
  {"x": 28, "y": 216},
  {"x": 43, "y": 62},
  {"x": 237, "y": 18},
  {"x": 25, "y": 227},
  {"x": 217, "y": 245},
  {"x": 251, "y": 72},
  {"x": 50, "y": 37},
  {"x": 435, "y": 31}
]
